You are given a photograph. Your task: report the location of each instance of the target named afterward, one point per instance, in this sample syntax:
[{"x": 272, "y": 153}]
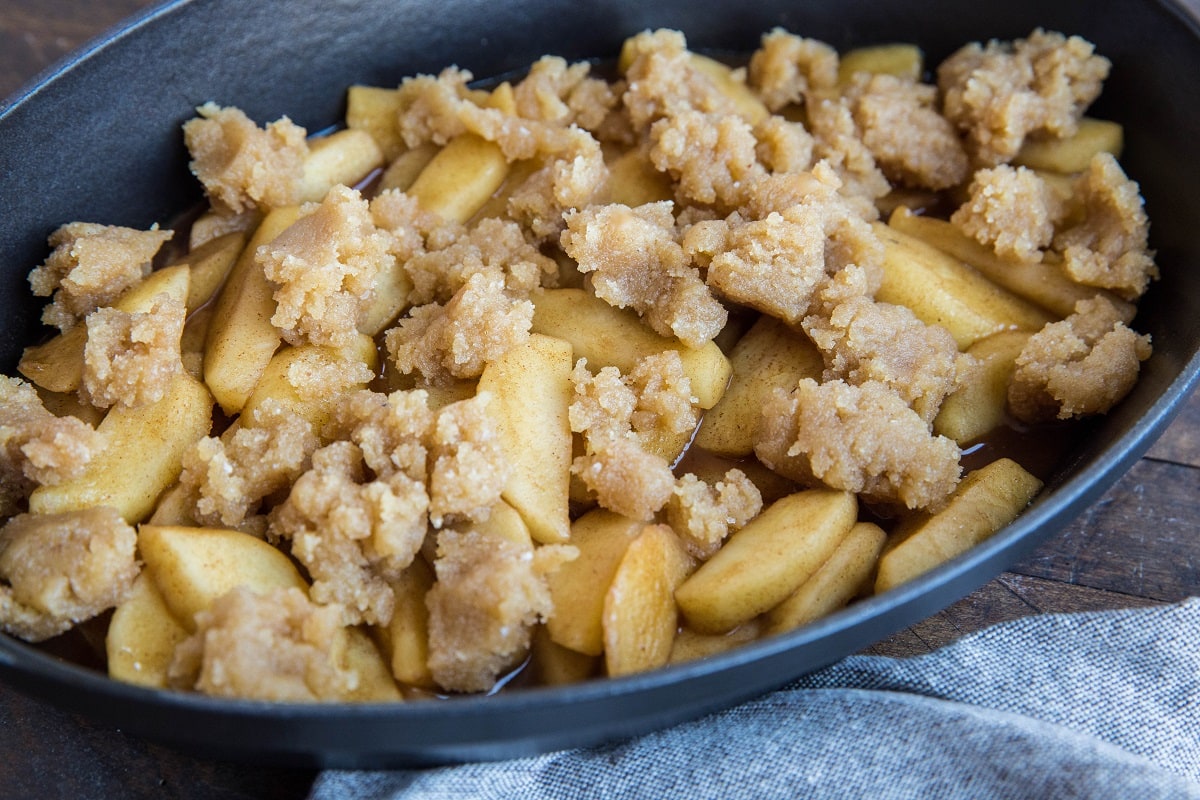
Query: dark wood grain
[
  {"x": 1152, "y": 518},
  {"x": 35, "y": 34},
  {"x": 1011, "y": 596},
  {"x": 1139, "y": 545}
]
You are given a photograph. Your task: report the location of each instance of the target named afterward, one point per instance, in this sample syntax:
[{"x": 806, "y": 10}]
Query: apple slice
[
  {"x": 531, "y": 393},
  {"x": 142, "y": 637},
  {"x": 192, "y": 567}
]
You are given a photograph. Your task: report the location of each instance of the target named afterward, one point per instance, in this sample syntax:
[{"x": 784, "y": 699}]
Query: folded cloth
[{"x": 1099, "y": 704}]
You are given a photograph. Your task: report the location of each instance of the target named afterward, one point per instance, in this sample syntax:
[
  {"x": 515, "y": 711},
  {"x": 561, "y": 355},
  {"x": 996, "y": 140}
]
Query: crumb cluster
[
  {"x": 36, "y": 446},
  {"x": 277, "y": 646},
  {"x": 131, "y": 358},
  {"x": 241, "y": 165},
  {"x": 1077, "y": 367},
  {"x": 90, "y": 266},
  {"x": 60, "y": 569},
  {"x": 999, "y": 93}
]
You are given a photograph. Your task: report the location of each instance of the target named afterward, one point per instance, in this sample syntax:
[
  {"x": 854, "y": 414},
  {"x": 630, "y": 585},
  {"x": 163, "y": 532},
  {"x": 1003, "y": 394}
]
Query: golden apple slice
[
  {"x": 210, "y": 264},
  {"x": 374, "y": 110},
  {"x": 835, "y": 584},
  {"x": 764, "y": 562},
  {"x": 402, "y": 173},
  {"x": 192, "y": 567},
  {"x": 460, "y": 178},
  {"x": 342, "y": 158},
  {"x": 941, "y": 290},
  {"x": 901, "y": 60},
  {"x": 640, "y": 617},
  {"x": 241, "y": 338},
  {"x": 142, "y": 636},
  {"x": 690, "y": 645},
  {"x": 749, "y": 106},
  {"x": 1073, "y": 153},
  {"x": 142, "y": 454},
  {"x": 977, "y": 406},
  {"x": 987, "y": 499},
  {"x": 1040, "y": 282},
  {"x": 578, "y": 587},
  {"x": 555, "y": 665},
  {"x": 770, "y": 355},
  {"x": 608, "y": 336},
  {"x": 633, "y": 181},
  {"x": 531, "y": 392},
  {"x": 405, "y": 639},
  {"x": 375, "y": 683}
]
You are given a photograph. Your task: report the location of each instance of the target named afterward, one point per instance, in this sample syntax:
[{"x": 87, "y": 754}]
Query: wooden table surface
[{"x": 1139, "y": 545}]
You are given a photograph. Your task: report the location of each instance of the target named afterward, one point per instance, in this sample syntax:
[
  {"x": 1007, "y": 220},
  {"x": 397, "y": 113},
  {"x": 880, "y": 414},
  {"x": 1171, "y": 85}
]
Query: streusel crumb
[
  {"x": 90, "y": 266},
  {"x": 1079, "y": 366},
  {"x": 241, "y": 165},
  {"x": 131, "y": 359},
  {"x": 59, "y": 569},
  {"x": 277, "y": 646},
  {"x": 863, "y": 439}
]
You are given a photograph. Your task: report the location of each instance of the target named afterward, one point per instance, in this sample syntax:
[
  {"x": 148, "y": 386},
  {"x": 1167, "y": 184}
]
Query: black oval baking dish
[{"x": 98, "y": 139}]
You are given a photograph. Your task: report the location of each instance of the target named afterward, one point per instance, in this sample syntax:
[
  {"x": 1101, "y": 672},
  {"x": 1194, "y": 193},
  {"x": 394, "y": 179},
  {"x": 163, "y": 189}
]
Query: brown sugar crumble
[
  {"x": 324, "y": 268},
  {"x": 1012, "y": 210},
  {"x": 1082, "y": 365},
  {"x": 363, "y": 434},
  {"x": 279, "y": 646},
  {"x": 489, "y": 593},
  {"x": 789, "y": 69},
  {"x": 481, "y": 322},
  {"x": 637, "y": 262},
  {"x": 60, "y": 569},
  {"x": 863, "y": 340},
  {"x": 863, "y": 439},
  {"x": 1000, "y": 92},
  {"x": 469, "y": 469},
  {"x": 629, "y": 424},
  {"x": 1109, "y": 247},
  {"x": 242, "y": 166},
  {"x": 130, "y": 358},
  {"x": 705, "y": 515},
  {"x": 662, "y": 80},
  {"x": 90, "y": 266},
  {"x": 911, "y": 142},
  {"x": 230, "y": 475},
  {"x": 37, "y": 447},
  {"x": 452, "y": 254},
  {"x": 351, "y": 533}
]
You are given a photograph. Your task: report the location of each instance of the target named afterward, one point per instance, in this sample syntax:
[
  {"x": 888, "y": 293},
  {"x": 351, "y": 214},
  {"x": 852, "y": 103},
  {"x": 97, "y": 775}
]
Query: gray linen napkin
[{"x": 1103, "y": 704}]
